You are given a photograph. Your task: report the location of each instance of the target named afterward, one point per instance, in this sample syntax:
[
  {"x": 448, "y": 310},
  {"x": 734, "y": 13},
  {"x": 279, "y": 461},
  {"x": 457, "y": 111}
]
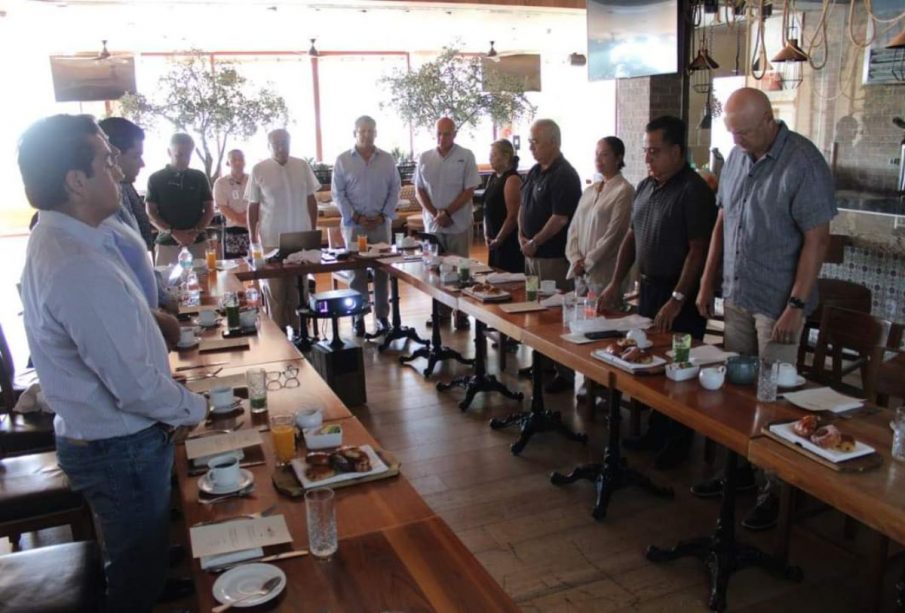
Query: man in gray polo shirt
[{"x": 776, "y": 201}]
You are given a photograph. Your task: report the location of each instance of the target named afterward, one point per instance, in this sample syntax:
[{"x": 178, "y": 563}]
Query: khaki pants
[
  {"x": 749, "y": 334},
  {"x": 359, "y": 278}
]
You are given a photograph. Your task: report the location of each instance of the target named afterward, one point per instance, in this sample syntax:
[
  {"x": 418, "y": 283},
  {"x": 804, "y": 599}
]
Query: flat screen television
[{"x": 633, "y": 38}]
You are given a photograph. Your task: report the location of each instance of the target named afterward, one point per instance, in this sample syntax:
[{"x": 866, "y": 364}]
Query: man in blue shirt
[
  {"x": 366, "y": 188},
  {"x": 100, "y": 356}
]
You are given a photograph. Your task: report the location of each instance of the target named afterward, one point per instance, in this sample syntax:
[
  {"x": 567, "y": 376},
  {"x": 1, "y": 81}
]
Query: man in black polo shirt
[
  {"x": 550, "y": 196},
  {"x": 180, "y": 203},
  {"x": 672, "y": 217}
]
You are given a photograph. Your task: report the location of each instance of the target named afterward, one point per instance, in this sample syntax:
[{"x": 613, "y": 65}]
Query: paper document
[
  {"x": 232, "y": 536},
  {"x": 522, "y": 307},
  {"x": 823, "y": 399},
  {"x": 221, "y": 344},
  {"x": 706, "y": 354},
  {"x": 602, "y": 324},
  {"x": 213, "y": 445},
  {"x": 504, "y": 277}
]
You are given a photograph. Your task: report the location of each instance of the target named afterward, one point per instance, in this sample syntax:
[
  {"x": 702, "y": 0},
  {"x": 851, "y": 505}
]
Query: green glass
[
  {"x": 531, "y": 286},
  {"x": 258, "y": 404},
  {"x": 681, "y": 347},
  {"x": 232, "y": 317}
]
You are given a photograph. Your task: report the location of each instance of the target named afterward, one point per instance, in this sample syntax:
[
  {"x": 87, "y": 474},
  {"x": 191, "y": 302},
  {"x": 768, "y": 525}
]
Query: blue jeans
[{"x": 126, "y": 481}]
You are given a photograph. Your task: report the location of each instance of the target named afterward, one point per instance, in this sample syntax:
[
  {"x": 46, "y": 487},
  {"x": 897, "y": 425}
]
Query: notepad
[
  {"x": 233, "y": 536},
  {"x": 222, "y": 344},
  {"x": 213, "y": 445}
]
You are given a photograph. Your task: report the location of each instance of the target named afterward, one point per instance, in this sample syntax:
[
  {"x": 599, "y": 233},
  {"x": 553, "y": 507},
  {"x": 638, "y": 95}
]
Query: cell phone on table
[
  {"x": 596, "y": 336},
  {"x": 240, "y": 332}
]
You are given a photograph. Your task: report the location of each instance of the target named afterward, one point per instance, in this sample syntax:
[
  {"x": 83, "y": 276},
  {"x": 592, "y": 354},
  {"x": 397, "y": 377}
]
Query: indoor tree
[{"x": 212, "y": 102}]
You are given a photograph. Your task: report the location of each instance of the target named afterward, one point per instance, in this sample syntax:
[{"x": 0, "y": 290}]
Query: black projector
[{"x": 336, "y": 303}]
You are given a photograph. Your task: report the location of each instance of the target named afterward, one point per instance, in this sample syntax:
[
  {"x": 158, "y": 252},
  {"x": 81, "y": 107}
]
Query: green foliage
[
  {"x": 455, "y": 86},
  {"x": 211, "y": 104}
]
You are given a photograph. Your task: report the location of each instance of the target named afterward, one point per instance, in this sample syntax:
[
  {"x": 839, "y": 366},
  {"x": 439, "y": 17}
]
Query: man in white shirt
[
  {"x": 280, "y": 197},
  {"x": 366, "y": 187},
  {"x": 229, "y": 196},
  {"x": 445, "y": 180},
  {"x": 100, "y": 356}
]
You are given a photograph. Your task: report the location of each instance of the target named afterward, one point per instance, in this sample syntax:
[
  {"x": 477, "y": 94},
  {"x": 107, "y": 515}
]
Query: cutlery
[
  {"x": 239, "y": 494},
  {"x": 268, "y": 586},
  {"x": 257, "y": 515},
  {"x": 206, "y": 375},
  {"x": 194, "y": 472},
  {"x": 274, "y": 558},
  {"x": 217, "y": 431},
  {"x": 185, "y": 368}
]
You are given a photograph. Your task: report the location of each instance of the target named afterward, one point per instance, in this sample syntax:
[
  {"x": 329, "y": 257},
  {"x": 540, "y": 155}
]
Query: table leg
[
  {"x": 614, "y": 473},
  {"x": 396, "y": 330},
  {"x": 435, "y": 352},
  {"x": 538, "y": 419},
  {"x": 480, "y": 381},
  {"x": 303, "y": 342},
  {"x": 720, "y": 552}
]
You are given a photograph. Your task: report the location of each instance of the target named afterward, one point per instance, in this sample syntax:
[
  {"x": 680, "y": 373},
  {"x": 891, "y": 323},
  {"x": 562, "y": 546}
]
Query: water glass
[
  {"x": 532, "y": 283},
  {"x": 252, "y": 298},
  {"x": 257, "y": 254},
  {"x": 256, "y": 380},
  {"x": 569, "y": 302},
  {"x": 898, "y": 435},
  {"x": 681, "y": 347},
  {"x": 767, "y": 376},
  {"x": 319, "y": 509},
  {"x": 400, "y": 237}
]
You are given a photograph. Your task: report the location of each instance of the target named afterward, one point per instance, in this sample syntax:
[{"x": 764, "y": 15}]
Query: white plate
[
  {"x": 208, "y": 326},
  {"x": 799, "y": 381},
  {"x": 787, "y": 432},
  {"x": 246, "y": 478},
  {"x": 248, "y": 579},
  {"x": 235, "y": 406},
  {"x": 603, "y": 356},
  {"x": 180, "y": 345},
  {"x": 377, "y": 467}
]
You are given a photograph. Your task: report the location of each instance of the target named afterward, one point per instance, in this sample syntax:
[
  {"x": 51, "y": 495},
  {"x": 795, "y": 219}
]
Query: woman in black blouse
[{"x": 502, "y": 200}]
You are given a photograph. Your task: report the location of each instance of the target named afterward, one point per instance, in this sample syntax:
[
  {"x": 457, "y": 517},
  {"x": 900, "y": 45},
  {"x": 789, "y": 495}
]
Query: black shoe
[
  {"x": 559, "y": 384},
  {"x": 673, "y": 453},
  {"x": 764, "y": 514},
  {"x": 744, "y": 482},
  {"x": 383, "y": 324},
  {"x": 359, "y": 328},
  {"x": 177, "y": 554},
  {"x": 174, "y": 589}
]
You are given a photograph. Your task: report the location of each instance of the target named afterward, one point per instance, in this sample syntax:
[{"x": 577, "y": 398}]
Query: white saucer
[
  {"x": 235, "y": 406},
  {"x": 799, "y": 381},
  {"x": 248, "y": 579},
  {"x": 208, "y": 326},
  {"x": 181, "y": 346},
  {"x": 246, "y": 478}
]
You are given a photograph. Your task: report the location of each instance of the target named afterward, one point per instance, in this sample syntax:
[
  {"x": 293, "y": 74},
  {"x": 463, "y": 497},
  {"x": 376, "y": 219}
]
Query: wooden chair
[
  {"x": 835, "y": 293},
  {"x": 67, "y": 577},
  {"x": 19, "y": 433},
  {"x": 891, "y": 379}
]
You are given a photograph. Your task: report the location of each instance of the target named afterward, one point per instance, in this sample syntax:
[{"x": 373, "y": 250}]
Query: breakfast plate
[{"x": 236, "y": 585}]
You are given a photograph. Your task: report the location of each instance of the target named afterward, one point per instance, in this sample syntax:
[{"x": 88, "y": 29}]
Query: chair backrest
[
  {"x": 858, "y": 333},
  {"x": 7, "y": 373}
]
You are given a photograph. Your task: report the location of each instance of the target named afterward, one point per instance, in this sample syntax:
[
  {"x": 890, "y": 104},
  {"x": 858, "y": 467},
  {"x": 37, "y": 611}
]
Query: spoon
[
  {"x": 268, "y": 586},
  {"x": 239, "y": 494}
]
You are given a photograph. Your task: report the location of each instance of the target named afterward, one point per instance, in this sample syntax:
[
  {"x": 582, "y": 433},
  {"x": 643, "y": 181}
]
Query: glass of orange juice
[
  {"x": 211, "y": 253},
  {"x": 362, "y": 242},
  {"x": 282, "y": 427}
]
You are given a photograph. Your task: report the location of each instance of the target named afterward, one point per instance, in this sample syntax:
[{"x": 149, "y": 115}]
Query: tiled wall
[{"x": 882, "y": 273}]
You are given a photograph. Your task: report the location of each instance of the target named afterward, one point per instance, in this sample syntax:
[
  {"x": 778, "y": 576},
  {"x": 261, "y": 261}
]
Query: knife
[
  {"x": 274, "y": 558},
  {"x": 185, "y": 368}
]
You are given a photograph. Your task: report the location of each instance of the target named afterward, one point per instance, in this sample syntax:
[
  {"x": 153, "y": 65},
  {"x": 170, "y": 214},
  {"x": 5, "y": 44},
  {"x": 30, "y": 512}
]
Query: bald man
[
  {"x": 280, "y": 194},
  {"x": 445, "y": 180},
  {"x": 776, "y": 200}
]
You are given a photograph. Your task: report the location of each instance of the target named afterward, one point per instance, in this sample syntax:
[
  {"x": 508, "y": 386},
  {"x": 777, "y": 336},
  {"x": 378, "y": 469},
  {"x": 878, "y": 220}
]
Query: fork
[
  {"x": 257, "y": 515},
  {"x": 240, "y": 494}
]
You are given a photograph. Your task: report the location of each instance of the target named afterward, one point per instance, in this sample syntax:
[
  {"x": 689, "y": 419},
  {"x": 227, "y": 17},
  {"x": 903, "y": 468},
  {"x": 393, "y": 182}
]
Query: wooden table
[
  {"x": 274, "y": 271},
  {"x": 269, "y": 345}
]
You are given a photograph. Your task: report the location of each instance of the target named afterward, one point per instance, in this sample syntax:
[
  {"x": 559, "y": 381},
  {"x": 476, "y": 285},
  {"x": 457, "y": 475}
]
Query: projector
[{"x": 337, "y": 303}]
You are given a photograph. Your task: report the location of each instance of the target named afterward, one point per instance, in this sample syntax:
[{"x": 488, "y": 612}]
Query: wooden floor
[{"x": 539, "y": 541}]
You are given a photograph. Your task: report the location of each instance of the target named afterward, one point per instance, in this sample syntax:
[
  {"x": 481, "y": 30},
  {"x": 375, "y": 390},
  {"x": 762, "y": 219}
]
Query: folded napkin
[
  {"x": 555, "y": 300},
  {"x": 600, "y": 324},
  {"x": 305, "y": 256},
  {"x": 32, "y": 400},
  {"x": 504, "y": 277},
  {"x": 222, "y": 559}
]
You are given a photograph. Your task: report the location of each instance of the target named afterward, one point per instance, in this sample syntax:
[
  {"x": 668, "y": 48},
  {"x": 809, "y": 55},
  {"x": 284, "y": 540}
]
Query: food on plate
[
  {"x": 846, "y": 444},
  {"x": 317, "y": 473},
  {"x": 332, "y": 429},
  {"x": 625, "y": 343},
  {"x": 806, "y": 426},
  {"x": 827, "y": 437},
  {"x": 318, "y": 458},
  {"x": 627, "y": 351},
  {"x": 486, "y": 288},
  {"x": 323, "y": 465}
]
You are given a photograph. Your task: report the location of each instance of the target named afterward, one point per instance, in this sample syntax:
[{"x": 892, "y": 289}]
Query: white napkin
[
  {"x": 554, "y": 300},
  {"x": 504, "y": 277},
  {"x": 576, "y": 338},
  {"x": 600, "y": 324},
  {"x": 231, "y": 557},
  {"x": 305, "y": 256},
  {"x": 705, "y": 354},
  {"x": 32, "y": 400}
]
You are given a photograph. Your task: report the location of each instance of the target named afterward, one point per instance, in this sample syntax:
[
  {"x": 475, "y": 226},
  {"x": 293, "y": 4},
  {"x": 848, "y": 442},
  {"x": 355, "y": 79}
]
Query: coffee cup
[
  {"x": 186, "y": 336},
  {"x": 207, "y": 317},
  {"x": 248, "y": 318},
  {"x": 788, "y": 375},
  {"x": 548, "y": 286},
  {"x": 221, "y": 397},
  {"x": 637, "y": 335},
  {"x": 309, "y": 418},
  {"x": 224, "y": 471},
  {"x": 742, "y": 369},
  {"x": 712, "y": 378}
]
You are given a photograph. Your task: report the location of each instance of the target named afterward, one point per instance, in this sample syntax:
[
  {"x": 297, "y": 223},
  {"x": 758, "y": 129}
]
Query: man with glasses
[
  {"x": 672, "y": 217},
  {"x": 100, "y": 356},
  {"x": 550, "y": 196},
  {"x": 776, "y": 200},
  {"x": 180, "y": 203},
  {"x": 445, "y": 180},
  {"x": 280, "y": 195},
  {"x": 366, "y": 186}
]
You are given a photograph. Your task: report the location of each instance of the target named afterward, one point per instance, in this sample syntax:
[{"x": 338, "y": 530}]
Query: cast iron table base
[
  {"x": 435, "y": 352},
  {"x": 396, "y": 330}
]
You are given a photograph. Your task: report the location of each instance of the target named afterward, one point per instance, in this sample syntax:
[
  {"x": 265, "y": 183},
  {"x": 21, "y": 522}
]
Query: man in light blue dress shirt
[
  {"x": 100, "y": 356},
  {"x": 366, "y": 187}
]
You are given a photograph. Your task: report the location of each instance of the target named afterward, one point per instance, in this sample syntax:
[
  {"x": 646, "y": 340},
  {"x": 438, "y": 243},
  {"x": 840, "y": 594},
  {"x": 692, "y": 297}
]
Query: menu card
[
  {"x": 232, "y": 536},
  {"x": 220, "y": 344},
  {"x": 214, "y": 445}
]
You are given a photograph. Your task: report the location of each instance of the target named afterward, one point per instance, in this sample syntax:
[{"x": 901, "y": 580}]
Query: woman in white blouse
[{"x": 601, "y": 219}]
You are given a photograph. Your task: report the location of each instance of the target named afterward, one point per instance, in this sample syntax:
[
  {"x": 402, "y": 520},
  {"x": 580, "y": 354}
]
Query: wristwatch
[
  {"x": 796, "y": 303},
  {"x": 678, "y": 296},
  {"x": 532, "y": 243}
]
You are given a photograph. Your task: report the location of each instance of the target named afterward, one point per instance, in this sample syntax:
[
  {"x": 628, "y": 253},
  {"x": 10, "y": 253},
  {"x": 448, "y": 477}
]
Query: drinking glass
[
  {"x": 256, "y": 379},
  {"x": 767, "y": 376},
  {"x": 464, "y": 270},
  {"x": 362, "y": 242},
  {"x": 681, "y": 348},
  {"x": 257, "y": 253},
  {"x": 569, "y": 302},
  {"x": 210, "y": 253},
  {"x": 231, "y": 304},
  {"x": 531, "y": 285},
  {"x": 282, "y": 428},
  {"x": 319, "y": 509},
  {"x": 252, "y": 298},
  {"x": 400, "y": 237},
  {"x": 898, "y": 436}
]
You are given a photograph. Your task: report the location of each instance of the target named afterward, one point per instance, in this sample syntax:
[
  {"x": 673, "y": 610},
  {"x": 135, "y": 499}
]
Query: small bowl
[
  {"x": 682, "y": 372},
  {"x": 309, "y": 418},
  {"x": 741, "y": 369},
  {"x": 323, "y": 437}
]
